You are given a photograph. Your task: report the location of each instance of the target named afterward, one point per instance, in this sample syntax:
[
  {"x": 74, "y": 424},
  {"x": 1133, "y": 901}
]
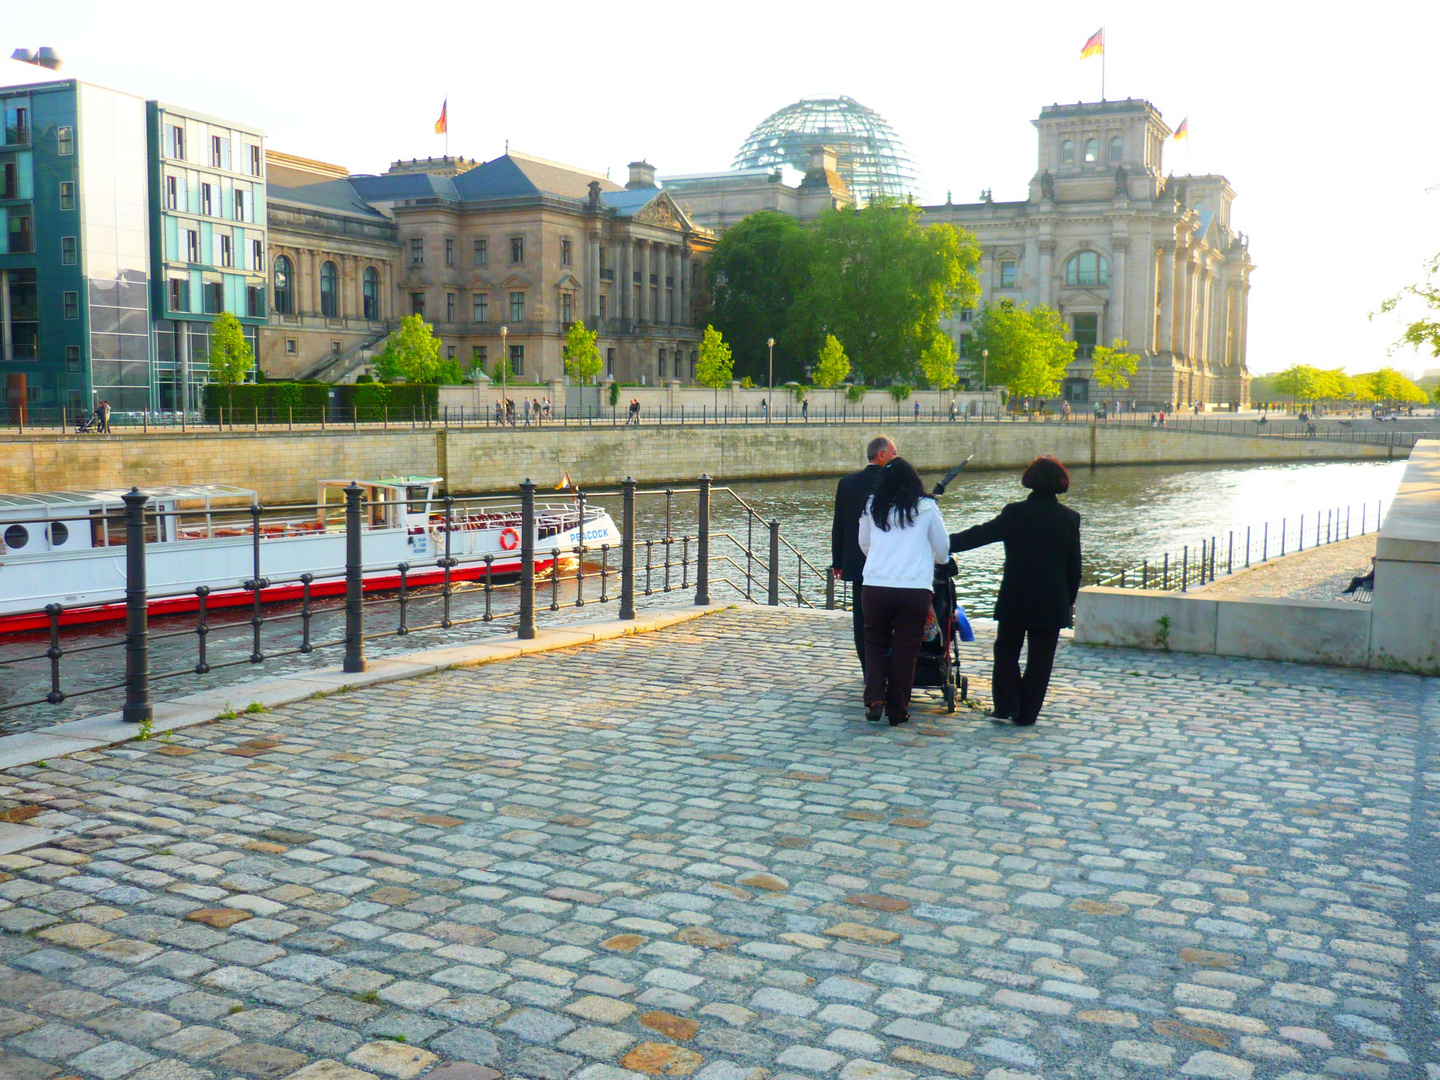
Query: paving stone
[
  {"x": 111, "y": 1060},
  {"x": 596, "y": 1042},
  {"x": 536, "y": 1025},
  {"x": 259, "y": 1060},
  {"x": 662, "y": 1059},
  {"x": 391, "y": 1059},
  {"x": 326, "y": 1069},
  {"x": 54, "y": 1042},
  {"x": 1220, "y": 1066}
]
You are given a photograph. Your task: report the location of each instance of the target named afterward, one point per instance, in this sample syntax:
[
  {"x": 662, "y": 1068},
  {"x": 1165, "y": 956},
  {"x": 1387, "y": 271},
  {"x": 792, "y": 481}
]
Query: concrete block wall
[{"x": 1405, "y": 632}]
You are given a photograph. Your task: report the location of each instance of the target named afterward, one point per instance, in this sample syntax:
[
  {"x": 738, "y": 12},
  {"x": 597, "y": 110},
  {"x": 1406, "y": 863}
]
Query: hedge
[
  {"x": 372, "y": 402},
  {"x": 276, "y": 401}
]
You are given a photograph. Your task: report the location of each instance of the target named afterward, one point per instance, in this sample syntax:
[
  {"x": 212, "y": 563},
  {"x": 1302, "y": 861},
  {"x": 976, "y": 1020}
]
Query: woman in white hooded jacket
[{"x": 903, "y": 537}]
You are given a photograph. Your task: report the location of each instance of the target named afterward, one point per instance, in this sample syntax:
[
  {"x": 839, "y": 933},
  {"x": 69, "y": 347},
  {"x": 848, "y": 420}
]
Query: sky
[{"x": 1316, "y": 113}]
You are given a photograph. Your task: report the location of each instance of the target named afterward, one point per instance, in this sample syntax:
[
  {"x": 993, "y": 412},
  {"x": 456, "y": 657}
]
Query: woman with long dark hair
[
  {"x": 1037, "y": 589},
  {"x": 903, "y": 538}
]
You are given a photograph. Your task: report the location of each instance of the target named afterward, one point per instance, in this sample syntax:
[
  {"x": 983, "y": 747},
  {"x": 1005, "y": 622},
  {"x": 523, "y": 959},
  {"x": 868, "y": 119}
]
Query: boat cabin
[
  {"x": 388, "y": 503},
  {"x": 72, "y": 521}
]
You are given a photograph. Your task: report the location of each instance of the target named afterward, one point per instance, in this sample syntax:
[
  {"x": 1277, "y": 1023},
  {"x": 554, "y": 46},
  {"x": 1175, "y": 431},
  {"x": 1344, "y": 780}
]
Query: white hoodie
[{"x": 904, "y": 557}]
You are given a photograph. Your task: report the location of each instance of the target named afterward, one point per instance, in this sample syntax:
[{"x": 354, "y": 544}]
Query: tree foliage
[
  {"x": 751, "y": 292},
  {"x": 1028, "y": 350},
  {"x": 937, "y": 362},
  {"x": 1391, "y": 388},
  {"x": 1424, "y": 332},
  {"x": 231, "y": 358},
  {"x": 1113, "y": 365},
  {"x": 833, "y": 364},
  {"x": 413, "y": 354},
  {"x": 715, "y": 366},
  {"x": 582, "y": 357}
]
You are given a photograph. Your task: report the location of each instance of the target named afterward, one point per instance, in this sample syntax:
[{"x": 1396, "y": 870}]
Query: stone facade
[
  {"x": 1121, "y": 251},
  {"x": 719, "y": 200}
]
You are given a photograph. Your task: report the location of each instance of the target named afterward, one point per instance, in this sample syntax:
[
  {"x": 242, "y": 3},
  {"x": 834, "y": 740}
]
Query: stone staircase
[{"x": 343, "y": 366}]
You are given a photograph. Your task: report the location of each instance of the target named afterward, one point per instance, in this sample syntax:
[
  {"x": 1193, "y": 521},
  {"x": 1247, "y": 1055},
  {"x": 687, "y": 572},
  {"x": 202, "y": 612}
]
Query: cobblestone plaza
[{"x": 687, "y": 854}]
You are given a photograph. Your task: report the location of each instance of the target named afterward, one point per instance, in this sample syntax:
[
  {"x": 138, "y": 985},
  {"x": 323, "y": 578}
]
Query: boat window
[
  {"x": 98, "y": 537},
  {"x": 59, "y": 533},
  {"x": 16, "y": 537},
  {"x": 418, "y": 495}
]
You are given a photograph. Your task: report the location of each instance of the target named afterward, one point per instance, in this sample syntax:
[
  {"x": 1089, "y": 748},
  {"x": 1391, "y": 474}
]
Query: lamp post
[
  {"x": 504, "y": 374},
  {"x": 770, "y": 401},
  {"x": 984, "y": 376}
]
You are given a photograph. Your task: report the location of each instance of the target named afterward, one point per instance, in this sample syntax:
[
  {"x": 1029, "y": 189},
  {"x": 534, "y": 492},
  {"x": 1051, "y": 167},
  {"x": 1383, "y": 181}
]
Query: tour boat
[{"x": 68, "y": 547}]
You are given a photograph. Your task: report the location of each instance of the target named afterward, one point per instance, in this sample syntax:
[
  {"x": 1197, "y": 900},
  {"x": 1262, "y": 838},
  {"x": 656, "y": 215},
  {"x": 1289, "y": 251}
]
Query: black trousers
[
  {"x": 857, "y": 612},
  {"x": 894, "y": 625},
  {"x": 1021, "y": 696}
]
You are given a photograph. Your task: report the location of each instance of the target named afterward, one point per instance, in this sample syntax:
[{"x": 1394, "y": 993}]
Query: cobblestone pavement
[
  {"x": 687, "y": 854},
  {"x": 1317, "y": 574}
]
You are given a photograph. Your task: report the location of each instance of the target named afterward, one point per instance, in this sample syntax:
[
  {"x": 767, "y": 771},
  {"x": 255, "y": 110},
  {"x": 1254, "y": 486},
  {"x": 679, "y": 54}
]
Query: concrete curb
[{"x": 107, "y": 729}]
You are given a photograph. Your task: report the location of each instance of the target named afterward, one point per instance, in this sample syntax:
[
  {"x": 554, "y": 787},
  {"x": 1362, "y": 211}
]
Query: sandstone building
[
  {"x": 718, "y": 200},
  {"x": 1121, "y": 251}
]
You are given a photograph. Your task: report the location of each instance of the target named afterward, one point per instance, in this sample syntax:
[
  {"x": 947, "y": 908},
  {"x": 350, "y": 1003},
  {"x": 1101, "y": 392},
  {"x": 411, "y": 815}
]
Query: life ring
[{"x": 509, "y": 539}]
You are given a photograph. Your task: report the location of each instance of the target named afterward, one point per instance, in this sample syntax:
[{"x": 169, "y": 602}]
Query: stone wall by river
[{"x": 285, "y": 466}]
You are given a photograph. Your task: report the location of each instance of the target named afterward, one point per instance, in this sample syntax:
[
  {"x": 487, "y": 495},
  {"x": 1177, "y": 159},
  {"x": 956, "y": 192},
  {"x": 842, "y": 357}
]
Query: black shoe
[
  {"x": 874, "y": 712},
  {"x": 994, "y": 715},
  {"x": 896, "y": 721}
]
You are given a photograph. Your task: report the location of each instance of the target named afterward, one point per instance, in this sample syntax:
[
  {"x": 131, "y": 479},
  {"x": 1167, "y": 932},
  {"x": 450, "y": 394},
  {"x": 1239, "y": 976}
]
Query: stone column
[
  {"x": 592, "y": 280},
  {"x": 683, "y": 287},
  {"x": 1187, "y": 306},
  {"x": 1046, "y": 247},
  {"x": 677, "y": 304},
  {"x": 314, "y": 261},
  {"x": 1165, "y": 286},
  {"x": 1120, "y": 245},
  {"x": 647, "y": 261}
]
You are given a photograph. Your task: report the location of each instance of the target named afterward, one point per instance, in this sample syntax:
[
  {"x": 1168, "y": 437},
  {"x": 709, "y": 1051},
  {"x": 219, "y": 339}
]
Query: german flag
[
  {"x": 440, "y": 126},
  {"x": 1095, "y": 45},
  {"x": 1183, "y": 130}
]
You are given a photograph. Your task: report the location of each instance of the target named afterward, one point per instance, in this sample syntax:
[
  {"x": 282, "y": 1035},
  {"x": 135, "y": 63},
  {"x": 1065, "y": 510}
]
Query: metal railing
[
  {"x": 1223, "y": 554},
  {"x": 550, "y": 577}
]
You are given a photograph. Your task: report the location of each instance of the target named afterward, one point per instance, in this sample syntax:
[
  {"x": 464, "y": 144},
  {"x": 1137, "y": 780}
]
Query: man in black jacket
[{"x": 847, "y": 561}]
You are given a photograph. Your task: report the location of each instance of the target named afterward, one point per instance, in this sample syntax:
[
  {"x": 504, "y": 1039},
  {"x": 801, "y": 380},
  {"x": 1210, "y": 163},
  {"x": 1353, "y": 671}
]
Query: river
[{"x": 1128, "y": 514}]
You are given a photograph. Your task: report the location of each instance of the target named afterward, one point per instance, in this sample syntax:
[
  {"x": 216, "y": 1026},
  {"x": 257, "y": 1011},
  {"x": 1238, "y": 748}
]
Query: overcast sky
[{"x": 1317, "y": 114}]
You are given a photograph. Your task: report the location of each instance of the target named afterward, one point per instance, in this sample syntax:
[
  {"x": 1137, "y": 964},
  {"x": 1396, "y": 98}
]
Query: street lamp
[
  {"x": 770, "y": 401},
  {"x": 984, "y": 376},
  {"x": 504, "y": 374}
]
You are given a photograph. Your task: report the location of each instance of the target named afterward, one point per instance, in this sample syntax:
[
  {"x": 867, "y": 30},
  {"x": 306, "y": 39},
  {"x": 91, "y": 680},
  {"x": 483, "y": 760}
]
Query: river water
[{"x": 1128, "y": 514}]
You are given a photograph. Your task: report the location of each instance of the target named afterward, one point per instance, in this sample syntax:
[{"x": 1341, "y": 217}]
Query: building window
[
  {"x": 1087, "y": 268},
  {"x": 214, "y": 293},
  {"x": 482, "y": 251},
  {"x": 72, "y": 305},
  {"x": 179, "y": 295},
  {"x": 69, "y": 251},
  {"x": 371, "y": 290},
  {"x": 479, "y": 355},
  {"x": 610, "y": 363},
  {"x": 967, "y": 314},
  {"x": 207, "y": 199},
  {"x": 417, "y": 304},
  {"x": 417, "y": 251},
  {"x": 334, "y": 348},
  {"x": 449, "y": 252},
  {"x": 9, "y": 180},
  {"x": 242, "y": 211},
  {"x": 661, "y": 363},
  {"x": 517, "y": 359},
  {"x": 255, "y": 301},
  {"x": 517, "y": 307},
  {"x": 192, "y": 245},
  {"x": 329, "y": 290},
  {"x": 1092, "y": 151},
  {"x": 564, "y": 252},
  {"x": 1117, "y": 148},
  {"x": 65, "y": 140},
  {"x": 291, "y": 346},
  {"x": 1067, "y": 152},
  {"x": 257, "y": 254},
  {"x": 67, "y": 194},
  {"x": 22, "y": 237},
  {"x": 175, "y": 142},
  {"x": 1085, "y": 329},
  {"x": 565, "y": 308},
  {"x": 284, "y": 286},
  {"x": 481, "y": 302},
  {"x": 173, "y": 186},
  {"x": 449, "y": 307},
  {"x": 72, "y": 359},
  {"x": 517, "y": 250},
  {"x": 227, "y": 251},
  {"x": 1007, "y": 274},
  {"x": 449, "y": 352},
  {"x": 602, "y": 308},
  {"x": 220, "y": 152}
]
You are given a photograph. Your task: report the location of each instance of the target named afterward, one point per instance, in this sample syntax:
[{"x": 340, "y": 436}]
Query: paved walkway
[
  {"x": 685, "y": 854},
  {"x": 1320, "y": 573}
]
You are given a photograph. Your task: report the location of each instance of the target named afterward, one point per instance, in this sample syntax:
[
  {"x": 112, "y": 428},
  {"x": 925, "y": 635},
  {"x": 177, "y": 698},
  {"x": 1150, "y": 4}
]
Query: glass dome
[{"x": 869, "y": 155}]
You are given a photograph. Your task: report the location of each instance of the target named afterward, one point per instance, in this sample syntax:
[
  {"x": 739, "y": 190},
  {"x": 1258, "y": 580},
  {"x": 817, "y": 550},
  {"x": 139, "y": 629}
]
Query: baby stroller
[
  {"x": 89, "y": 423},
  {"x": 938, "y": 664}
]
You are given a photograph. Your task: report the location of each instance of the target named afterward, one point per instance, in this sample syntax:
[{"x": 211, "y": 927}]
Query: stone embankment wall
[{"x": 284, "y": 467}]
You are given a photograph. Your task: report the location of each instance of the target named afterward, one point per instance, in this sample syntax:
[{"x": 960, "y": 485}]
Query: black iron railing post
[
  {"x": 137, "y": 628},
  {"x": 447, "y": 561},
  {"x": 527, "y": 559},
  {"x": 55, "y": 696},
  {"x": 257, "y": 583},
  {"x": 627, "y": 550},
  {"x": 829, "y": 590},
  {"x": 354, "y": 581},
  {"x": 774, "y": 583},
  {"x": 702, "y": 557}
]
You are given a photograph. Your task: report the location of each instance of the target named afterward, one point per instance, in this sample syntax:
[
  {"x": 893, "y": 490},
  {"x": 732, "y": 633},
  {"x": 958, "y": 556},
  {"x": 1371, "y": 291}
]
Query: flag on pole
[
  {"x": 441, "y": 128},
  {"x": 565, "y": 483},
  {"x": 1095, "y": 45},
  {"x": 1183, "y": 130}
]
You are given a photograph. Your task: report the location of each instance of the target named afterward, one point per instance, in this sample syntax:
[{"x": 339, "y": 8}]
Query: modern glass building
[
  {"x": 74, "y": 250},
  {"x": 207, "y": 241}
]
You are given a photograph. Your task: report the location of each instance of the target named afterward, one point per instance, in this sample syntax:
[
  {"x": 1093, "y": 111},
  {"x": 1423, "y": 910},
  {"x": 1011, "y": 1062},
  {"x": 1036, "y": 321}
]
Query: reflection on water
[{"x": 1128, "y": 513}]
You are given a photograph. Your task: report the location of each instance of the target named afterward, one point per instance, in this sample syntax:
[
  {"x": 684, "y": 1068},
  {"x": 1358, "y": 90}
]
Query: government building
[{"x": 1121, "y": 250}]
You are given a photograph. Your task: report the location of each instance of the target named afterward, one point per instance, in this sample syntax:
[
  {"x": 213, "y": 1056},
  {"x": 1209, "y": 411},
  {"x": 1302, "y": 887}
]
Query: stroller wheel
[
  {"x": 950, "y": 697},
  {"x": 964, "y": 688}
]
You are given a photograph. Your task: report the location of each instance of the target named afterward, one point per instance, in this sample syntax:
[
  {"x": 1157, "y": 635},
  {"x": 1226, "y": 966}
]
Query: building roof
[
  {"x": 515, "y": 174},
  {"x": 337, "y": 195},
  {"x": 629, "y": 202},
  {"x": 392, "y": 187}
]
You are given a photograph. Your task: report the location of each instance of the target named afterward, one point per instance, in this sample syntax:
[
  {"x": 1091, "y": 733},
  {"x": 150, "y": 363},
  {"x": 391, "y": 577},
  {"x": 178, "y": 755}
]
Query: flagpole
[
  {"x": 1102, "y": 65},
  {"x": 447, "y": 121}
]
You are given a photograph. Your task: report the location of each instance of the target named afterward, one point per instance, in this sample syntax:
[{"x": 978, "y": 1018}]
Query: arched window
[
  {"x": 1117, "y": 148},
  {"x": 329, "y": 287},
  {"x": 1087, "y": 268},
  {"x": 1092, "y": 151},
  {"x": 284, "y": 286},
  {"x": 372, "y": 294},
  {"x": 1067, "y": 152}
]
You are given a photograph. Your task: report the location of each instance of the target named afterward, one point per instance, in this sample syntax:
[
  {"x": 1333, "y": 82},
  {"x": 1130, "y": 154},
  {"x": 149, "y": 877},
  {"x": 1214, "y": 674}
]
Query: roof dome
[{"x": 870, "y": 156}]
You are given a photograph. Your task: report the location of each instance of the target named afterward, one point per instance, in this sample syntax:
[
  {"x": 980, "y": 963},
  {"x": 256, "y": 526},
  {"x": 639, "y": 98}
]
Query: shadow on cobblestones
[{"x": 686, "y": 854}]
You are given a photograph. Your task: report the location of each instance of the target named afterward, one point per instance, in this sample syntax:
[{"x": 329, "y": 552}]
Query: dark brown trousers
[{"x": 894, "y": 624}]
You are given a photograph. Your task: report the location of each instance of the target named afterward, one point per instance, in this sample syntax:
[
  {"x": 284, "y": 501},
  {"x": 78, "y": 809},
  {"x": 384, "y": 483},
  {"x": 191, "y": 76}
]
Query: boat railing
[{"x": 671, "y": 553}]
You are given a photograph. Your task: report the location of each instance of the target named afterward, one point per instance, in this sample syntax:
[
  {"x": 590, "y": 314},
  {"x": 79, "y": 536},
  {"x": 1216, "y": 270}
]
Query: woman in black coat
[{"x": 1037, "y": 591}]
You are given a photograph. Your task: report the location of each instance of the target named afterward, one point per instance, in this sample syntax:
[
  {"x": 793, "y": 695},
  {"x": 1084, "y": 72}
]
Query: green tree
[
  {"x": 880, "y": 281},
  {"x": 582, "y": 358},
  {"x": 833, "y": 364},
  {"x": 1113, "y": 365},
  {"x": 1028, "y": 349},
  {"x": 937, "y": 362},
  {"x": 752, "y": 274},
  {"x": 502, "y": 372},
  {"x": 1424, "y": 332},
  {"x": 1306, "y": 383},
  {"x": 715, "y": 366},
  {"x": 413, "y": 354},
  {"x": 230, "y": 358},
  {"x": 1389, "y": 386}
]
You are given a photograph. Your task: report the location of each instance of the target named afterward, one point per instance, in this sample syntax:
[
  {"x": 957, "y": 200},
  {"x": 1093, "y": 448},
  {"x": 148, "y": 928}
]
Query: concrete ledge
[
  {"x": 1405, "y": 625},
  {"x": 1280, "y": 628},
  {"x": 1132, "y": 618},
  {"x": 189, "y": 710}
]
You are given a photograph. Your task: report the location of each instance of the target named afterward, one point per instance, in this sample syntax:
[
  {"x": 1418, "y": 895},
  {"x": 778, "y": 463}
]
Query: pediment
[
  {"x": 415, "y": 281},
  {"x": 1009, "y": 251},
  {"x": 1082, "y": 296},
  {"x": 515, "y": 281},
  {"x": 568, "y": 282},
  {"x": 479, "y": 284},
  {"x": 663, "y": 211}
]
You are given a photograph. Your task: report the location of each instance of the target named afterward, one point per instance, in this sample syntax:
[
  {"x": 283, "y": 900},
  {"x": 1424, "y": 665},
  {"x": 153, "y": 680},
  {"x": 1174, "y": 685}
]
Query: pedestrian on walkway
[
  {"x": 104, "y": 411},
  {"x": 847, "y": 561},
  {"x": 805, "y": 409},
  {"x": 634, "y": 413},
  {"x": 1037, "y": 588},
  {"x": 903, "y": 537}
]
